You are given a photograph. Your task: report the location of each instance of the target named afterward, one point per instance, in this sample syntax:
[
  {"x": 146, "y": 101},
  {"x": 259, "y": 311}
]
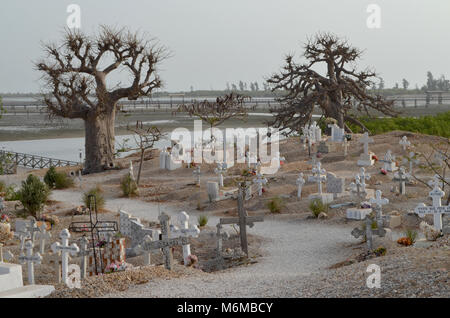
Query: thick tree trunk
[{"x": 99, "y": 141}]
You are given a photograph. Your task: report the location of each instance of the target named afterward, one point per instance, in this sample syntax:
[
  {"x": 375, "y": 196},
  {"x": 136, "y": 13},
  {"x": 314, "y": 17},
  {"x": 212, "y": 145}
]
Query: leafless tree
[
  {"x": 217, "y": 112},
  {"x": 339, "y": 90},
  {"x": 144, "y": 139},
  {"x": 75, "y": 77}
]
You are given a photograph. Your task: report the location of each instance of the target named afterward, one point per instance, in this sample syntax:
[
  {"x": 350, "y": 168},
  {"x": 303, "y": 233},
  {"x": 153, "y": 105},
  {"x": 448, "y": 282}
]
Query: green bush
[
  {"x": 2, "y": 186},
  {"x": 316, "y": 206},
  {"x": 57, "y": 180},
  {"x": 97, "y": 192},
  {"x": 438, "y": 125},
  {"x": 202, "y": 220},
  {"x": 275, "y": 205},
  {"x": 11, "y": 193},
  {"x": 128, "y": 185},
  {"x": 411, "y": 234},
  {"x": 33, "y": 194}
]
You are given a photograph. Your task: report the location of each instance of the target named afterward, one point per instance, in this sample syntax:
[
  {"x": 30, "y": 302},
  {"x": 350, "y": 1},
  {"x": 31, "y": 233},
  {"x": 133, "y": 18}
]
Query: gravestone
[
  {"x": 197, "y": 174},
  {"x": 184, "y": 229},
  {"x": 365, "y": 158},
  {"x": 300, "y": 182},
  {"x": 213, "y": 191},
  {"x": 260, "y": 181},
  {"x": 132, "y": 228},
  {"x": 389, "y": 162},
  {"x": 319, "y": 176},
  {"x": 402, "y": 177},
  {"x": 337, "y": 134},
  {"x": 412, "y": 160},
  {"x": 30, "y": 259},
  {"x": 404, "y": 143},
  {"x": 64, "y": 250},
  {"x": 323, "y": 148},
  {"x": 378, "y": 202},
  {"x": 43, "y": 236},
  {"x": 369, "y": 232},
  {"x": 335, "y": 185},
  {"x": 220, "y": 170}
]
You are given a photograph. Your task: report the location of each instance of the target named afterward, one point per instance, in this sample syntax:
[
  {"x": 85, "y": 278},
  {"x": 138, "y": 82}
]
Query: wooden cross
[
  {"x": 30, "y": 259},
  {"x": 300, "y": 182},
  {"x": 260, "y": 181},
  {"x": 437, "y": 210},
  {"x": 65, "y": 249},
  {"x": 243, "y": 220},
  {"x": 166, "y": 243},
  {"x": 43, "y": 236}
]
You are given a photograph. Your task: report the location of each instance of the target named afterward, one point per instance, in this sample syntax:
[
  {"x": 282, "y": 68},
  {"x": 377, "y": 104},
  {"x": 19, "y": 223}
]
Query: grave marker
[
  {"x": 42, "y": 237},
  {"x": 30, "y": 260},
  {"x": 260, "y": 181},
  {"x": 64, "y": 250},
  {"x": 404, "y": 143},
  {"x": 300, "y": 182},
  {"x": 365, "y": 158}
]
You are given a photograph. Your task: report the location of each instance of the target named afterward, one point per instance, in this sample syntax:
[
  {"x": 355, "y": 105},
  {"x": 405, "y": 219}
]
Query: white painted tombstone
[
  {"x": 404, "y": 143},
  {"x": 22, "y": 234},
  {"x": 162, "y": 159},
  {"x": 300, "y": 182},
  {"x": 436, "y": 209},
  {"x": 43, "y": 236},
  {"x": 184, "y": 229},
  {"x": 84, "y": 252},
  {"x": 389, "y": 162},
  {"x": 402, "y": 177},
  {"x": 337, "y": 134},
  {"x": 335, "y": 185},
  {"x": 320, "y": 175},
  {"x": 30, "y": 260},
  {"x": 260, "y": 181},
  {"x": 411, "y": 160},
  {"x": 213, "y": 190},
  {"x": 365, "y": 158},
  {"x": 378, "y": 201},
  {"x": 197, "y": 173},
  {"x": 220, "y": 170},
  {"x": 363, "y": 176},
  {"x": 65, "y": 249},
  {"x": 33, "y": 229},
  {"x": 345, "y": 146}
]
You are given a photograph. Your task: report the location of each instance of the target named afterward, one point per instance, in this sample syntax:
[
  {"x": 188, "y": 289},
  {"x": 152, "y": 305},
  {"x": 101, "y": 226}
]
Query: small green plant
[
  {"x": 316, "y": 206},
  {"x": 33, "y": 195},
  {"x": 411, "y": 235},
  {"x": 129, "y": 186},
  {"x": 380, "y": 251},
  {"x": 275, "y": 205},
  {"x": 2, "y": 186},
  {"x": 97, "y": 192},
  {"x": 57, "y": 180},
  {"x": 202, "y": 220}
]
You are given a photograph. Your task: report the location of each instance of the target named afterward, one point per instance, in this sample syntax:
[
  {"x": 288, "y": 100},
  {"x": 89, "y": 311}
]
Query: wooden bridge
[{"x": 33, "y": 161}]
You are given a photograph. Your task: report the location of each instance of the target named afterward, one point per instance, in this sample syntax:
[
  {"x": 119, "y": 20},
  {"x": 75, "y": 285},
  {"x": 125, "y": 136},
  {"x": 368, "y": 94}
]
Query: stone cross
[
  {"x": 243, "y": 220},
  {"x": 33, "y": 229},
  {"x": 300, "y": 182},
  {"x": 166, "y": 243},
  {"x": 436, "y": 209},
  {"x": 65, "y": 249},
  {"x": 412, "y": 160},
  {"x": 30, "y": 259},
  {"x": 356, "y": 186},
  {"x": 378, "y": 201},
  {"x": 220, "y": 170},
  {"x": 402, "y": 176},
  {"x": 22, "y": 235},
  {"x": 84, "y": 252},
  {"x": 42, "y": 237},
  {"x": 185, "y": 229},
  {"x": 197, "y": 173},
  {"x": 260, "y": 181},
  {"x": 345, "y": 145},
  {"x": 320, "y": 175},
  {"x": 388, "y": 161},
  {"x": 365, "y": 140},
  {"x": 363, "y": 176},
  {"x": 404, "y": 142}
]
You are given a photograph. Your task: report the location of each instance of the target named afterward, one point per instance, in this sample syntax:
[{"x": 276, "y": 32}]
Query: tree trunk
[{"x": 99, "y": 141}]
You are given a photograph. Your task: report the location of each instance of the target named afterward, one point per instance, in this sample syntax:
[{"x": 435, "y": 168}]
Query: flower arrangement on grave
[
  {"x": 406, "y": 241},
  {"x": 374, "y": 157},
  {"x": 5, "y": 229},
  {"x": 116, "y": 267},
  {"x": 101, "y": 243},
  {"x": 51, "y": 219},
  {"x": 383, "y": 172},
  {"x": 192, "y": 260}
]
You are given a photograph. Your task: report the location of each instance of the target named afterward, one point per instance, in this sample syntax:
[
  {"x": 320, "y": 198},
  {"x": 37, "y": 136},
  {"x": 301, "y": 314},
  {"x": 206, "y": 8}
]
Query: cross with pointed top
[
  {"x": 30, "y": 259},
  {"x": 437, "y": 210},
  {"x": 65, "y": 249},
  {"x": 379, "y": 202},
  {"x": 404, "y": 143},
  {"x": 412, "y": 160},
  {"x": 320, "y": 175}
]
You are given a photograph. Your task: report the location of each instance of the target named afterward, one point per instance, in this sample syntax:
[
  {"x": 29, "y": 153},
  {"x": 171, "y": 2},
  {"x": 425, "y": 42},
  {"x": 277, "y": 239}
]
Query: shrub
[
  {"x": 275, "y": 205},
  {"x": 33, "y": 194},
  {"x": 202, "y": 220},
  {"x": 50, "y": 177},
  {"x": 380, "y": 251},
  {"x": 128, "y": 185},
  {"x": 11, "y": 193},
  {"x": 2, "y": 186},
  {"x": 411, "y": 235},
  {"x": 316, "y": 206},
  {"x": 57, "y": 180},
  {"x": 97, "y": 192}
]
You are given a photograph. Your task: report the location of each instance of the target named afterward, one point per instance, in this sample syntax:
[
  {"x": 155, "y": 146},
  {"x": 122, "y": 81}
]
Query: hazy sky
[{"x": 214, "y": 42}]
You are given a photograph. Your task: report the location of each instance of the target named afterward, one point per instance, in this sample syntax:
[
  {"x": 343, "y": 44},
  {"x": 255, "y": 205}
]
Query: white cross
[
  {"x": 33, "y": 229},
  {"x": 260, "y": 181},
  {"x": 363, "y": 176},
  {"x": 184, "y": 229},
  {"x": 365, "y": 140},
  {"x": 436, "y": 209},
  {"x": 345, "y": 145},
  {"x": 403, "y": 176},
  {"x": 43, "y": 236},
  {"x": 22, "y": 235},
  {"x": 379, "y": 202},
  {"x": 320, "y": 175},
  {"x": 30, "y": 259},
  {"x": 84, "y": 253},
  {"x": 300, "y": 182},
  {"x": 197, "y": 173},
  {"x": 65, "y": 249},
  {"x": 412, "y": 161},
  {"x": 221, "y": 168},
  {"x": 388, "y": 160},
  {"x": 131, "y": 172},
  {"x": 404, "y": 142}
]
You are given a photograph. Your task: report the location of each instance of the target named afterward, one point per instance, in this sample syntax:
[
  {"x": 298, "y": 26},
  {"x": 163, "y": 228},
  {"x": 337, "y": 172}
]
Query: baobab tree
[
  {"x": 338, "y": 90},
  {"x": 75, "y": 75}
]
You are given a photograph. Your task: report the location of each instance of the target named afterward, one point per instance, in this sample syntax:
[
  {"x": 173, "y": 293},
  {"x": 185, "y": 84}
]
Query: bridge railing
[{"x": 34, "y": 161}]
